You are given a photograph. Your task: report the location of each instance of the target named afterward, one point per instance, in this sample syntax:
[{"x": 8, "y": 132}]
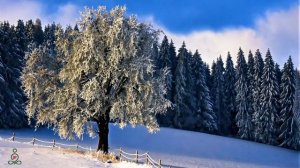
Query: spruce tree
[
  {"x": 289, "y": 128},
  {"x": 182, "y": 95},
  {"x": 251, "y": 85},
  {"x": 243, "y": 118},
  {"x": 173, "y": 61},
  {"x": 38, "y": 32},
  {"x": 30, "y": 32},
  {"x": 49, "y": 35},
  {"x": 11, "y": 53},
  {"x": 258, "y": 71},
  {"x": 265, "y": 119},
  {"x": 204, "y": 114},
  {"x": 297, "y": 105},
  {"x": 230, "y": 95},
  {"x": 164, "y": 61},
  {"x": 218, "y": 97}
]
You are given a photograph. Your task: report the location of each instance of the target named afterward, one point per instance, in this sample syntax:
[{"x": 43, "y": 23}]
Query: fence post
[
  {"x": 14, "y": 136},
  {"x": 77, "y": 146},
  {"x": 120, "y": 153},
  {"x": 53, "y": 143},
  {"x": 33, "y": 140},
  {"x": 159, "y": 163},
  {"x": 147, "y": 159},
  {"x": 137, "y": 157}
]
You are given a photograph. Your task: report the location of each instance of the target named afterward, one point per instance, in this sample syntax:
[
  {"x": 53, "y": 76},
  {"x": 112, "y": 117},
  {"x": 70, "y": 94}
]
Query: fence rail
[
  {"x": 49, "y": 144},
  {"x": 139, "y": 158}
]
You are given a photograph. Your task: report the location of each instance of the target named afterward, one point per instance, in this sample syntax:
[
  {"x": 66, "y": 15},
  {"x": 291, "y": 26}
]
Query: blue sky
[
  {"x": 212, "y": 26},
  {"x": 183, "y": 16}
]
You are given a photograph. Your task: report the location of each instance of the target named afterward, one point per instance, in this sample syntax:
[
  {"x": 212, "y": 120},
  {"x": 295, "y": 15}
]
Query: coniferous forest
[{"x": 253, "y": 98}]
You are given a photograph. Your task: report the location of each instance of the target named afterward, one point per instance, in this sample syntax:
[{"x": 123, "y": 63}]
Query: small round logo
[{"x": 14, "y": 158}]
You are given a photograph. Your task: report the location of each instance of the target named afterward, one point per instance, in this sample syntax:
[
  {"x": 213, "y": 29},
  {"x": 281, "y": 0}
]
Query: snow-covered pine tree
[
  {"x": 21, "y": 37},
  {"x": 251, "y": 85},
  {"x": 173, "y": 61},
  {"x": 265, "y": 119},
  {"x": 106, "y": 74},
  {"x": 230, "y": 94},
  {"x": 258, "y": 71},
  {"x": 38, "y": 32},
  {"x": 289, "y": 128},
  {"x": 278, "y": 121},
  {"x": 164, "y": 61},
  {"x": 208, "y": 78},
  {"x": 243, "y": 118},
  {"x": 12, "y": 115},
  {"x": 3, "y": 88},
  {"x": 182, "y": 95},
  {"x": 204, "y": 114},
  {"x": 30, "y": 31},
  {"x": 218, "y": 97},
  {"x": 297, "y": 105},
  {"x": 49, "y": 35}
]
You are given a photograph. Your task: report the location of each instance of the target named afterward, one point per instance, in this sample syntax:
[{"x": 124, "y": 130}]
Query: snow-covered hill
[{"x": 176, "y": 148}]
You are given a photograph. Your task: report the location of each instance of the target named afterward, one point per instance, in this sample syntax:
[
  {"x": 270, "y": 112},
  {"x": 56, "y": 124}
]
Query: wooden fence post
[
  {"x": 120, "y": 153},
  {"x": 14, "y": 136},
  {"x": 33, "y": 141},
  {"x": 147, "y": 159},
  {"x": 137, "y": 157},
  {"x": 159, "y": 163}
]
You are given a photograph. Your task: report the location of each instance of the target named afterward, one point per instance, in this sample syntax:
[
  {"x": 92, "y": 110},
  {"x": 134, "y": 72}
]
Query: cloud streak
[
  {"x": 12, "y": 11},
  {"x": 277, "y": 30}
]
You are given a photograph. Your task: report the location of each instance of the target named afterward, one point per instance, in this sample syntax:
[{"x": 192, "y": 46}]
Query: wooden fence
[
  {"x": 132, "y": 157},
  {"x": 139, "y": 158}
]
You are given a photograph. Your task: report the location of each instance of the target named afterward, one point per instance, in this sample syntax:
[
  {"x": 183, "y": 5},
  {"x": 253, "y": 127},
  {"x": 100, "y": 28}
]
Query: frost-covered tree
[
  {"x": 230, "y": 94},
  {"x": 297, "y": 105},
  {"x": 251, "y": 85},
  {"x": 265, "y": 119},
  {"x": 21, "y": 37},
  {"x": 12, "y": 115},
  {"x": 258, "y": 71},
  {"x": 38, "y": 32},
  {"x": 182, "y": 95},
  {"x": 49, "y": 35},
  {"x": 164, "y": 61},
  {"x": 218, "y": 96},
  {"x": 203, "y": 114},
  {"x": 106, "y": 74},
  {"x": 289, "y": 128},
  {"x": 173, "y": 63},
  {"x": 30, "y": 31},
  {"x": 243, "y": 118}
]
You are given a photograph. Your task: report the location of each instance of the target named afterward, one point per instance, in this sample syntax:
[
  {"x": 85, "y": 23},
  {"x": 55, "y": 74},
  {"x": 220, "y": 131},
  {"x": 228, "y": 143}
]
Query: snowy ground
[
  {"x": 175, "y": 148},
  {"x": 40, "y": 157}
]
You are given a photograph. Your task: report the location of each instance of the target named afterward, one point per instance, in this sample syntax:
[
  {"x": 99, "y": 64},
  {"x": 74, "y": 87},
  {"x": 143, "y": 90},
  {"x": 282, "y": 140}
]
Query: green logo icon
[{"x": 14, "y": 158}]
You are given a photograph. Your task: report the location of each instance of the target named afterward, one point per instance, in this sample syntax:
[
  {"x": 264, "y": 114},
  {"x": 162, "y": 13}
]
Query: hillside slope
[{"x": 179, "y": 148}]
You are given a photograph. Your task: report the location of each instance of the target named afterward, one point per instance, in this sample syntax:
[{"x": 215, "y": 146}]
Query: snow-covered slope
[{"x": 179, "y": 148}]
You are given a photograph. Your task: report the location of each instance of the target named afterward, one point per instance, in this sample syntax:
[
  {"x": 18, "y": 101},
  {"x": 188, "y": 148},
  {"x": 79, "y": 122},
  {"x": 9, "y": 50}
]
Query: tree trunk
[{"x": 103, "y": 127}]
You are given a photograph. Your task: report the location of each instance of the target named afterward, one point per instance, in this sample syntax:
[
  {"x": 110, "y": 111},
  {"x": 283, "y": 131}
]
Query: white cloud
[
  {"x": 66, "y": 15},
  {"x": 12, "y": 11},
  {"x": 277, "y": 30}
]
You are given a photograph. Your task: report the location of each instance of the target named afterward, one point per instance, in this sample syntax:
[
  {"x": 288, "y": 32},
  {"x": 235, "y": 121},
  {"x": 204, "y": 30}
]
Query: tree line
[{"x": 253, "y": 100}]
